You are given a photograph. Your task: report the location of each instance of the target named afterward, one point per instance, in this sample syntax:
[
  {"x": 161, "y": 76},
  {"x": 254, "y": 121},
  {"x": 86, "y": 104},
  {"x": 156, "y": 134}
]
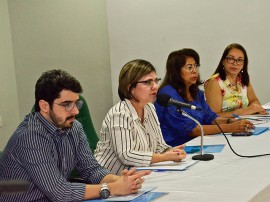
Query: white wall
[
  {"x": 9, "y": 110},
  {"x": 72, "y": 35},
  {"x": 152, "y": 29},
  {"x": 66, "y": 34}
]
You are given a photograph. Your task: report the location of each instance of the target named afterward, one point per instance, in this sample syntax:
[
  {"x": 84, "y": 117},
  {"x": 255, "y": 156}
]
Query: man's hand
[{"x": 129, "y": 182}]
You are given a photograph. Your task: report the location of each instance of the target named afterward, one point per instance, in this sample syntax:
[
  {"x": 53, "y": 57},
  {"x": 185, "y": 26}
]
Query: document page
[{"x": 169, "y": 165}]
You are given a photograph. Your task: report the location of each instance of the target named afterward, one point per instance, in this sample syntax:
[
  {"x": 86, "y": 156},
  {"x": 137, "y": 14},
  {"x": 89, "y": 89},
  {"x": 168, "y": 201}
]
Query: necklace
[{"x": 232, "y": 84}]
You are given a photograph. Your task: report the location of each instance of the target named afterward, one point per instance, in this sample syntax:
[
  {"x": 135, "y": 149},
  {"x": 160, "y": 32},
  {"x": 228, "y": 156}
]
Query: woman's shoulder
[
  {"x": 168, "y": 89},
  {"x": 214, "y": 79},
  {"x": 201, "y": 94},
  {"x": 119, "y": 108},
  {"x": 150, "y": 106}
]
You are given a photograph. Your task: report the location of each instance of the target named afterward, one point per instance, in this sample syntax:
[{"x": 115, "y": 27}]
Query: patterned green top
[{"x": 234, "y": 95}]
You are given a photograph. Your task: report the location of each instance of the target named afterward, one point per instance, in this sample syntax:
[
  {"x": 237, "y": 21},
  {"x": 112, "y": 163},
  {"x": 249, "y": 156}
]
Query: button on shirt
[
  {"x": 126, "y": 142},
  {"x": 45, "y": 155}
]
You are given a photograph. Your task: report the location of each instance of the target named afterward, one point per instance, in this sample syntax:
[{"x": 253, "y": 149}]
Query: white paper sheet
[
  {"x": 130, "y": 196},
  {"x": 169, "y": 165}
]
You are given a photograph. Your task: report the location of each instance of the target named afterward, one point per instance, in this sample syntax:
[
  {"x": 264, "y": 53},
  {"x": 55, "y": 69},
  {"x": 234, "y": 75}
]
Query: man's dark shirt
[{"x": 45, "y": 155}]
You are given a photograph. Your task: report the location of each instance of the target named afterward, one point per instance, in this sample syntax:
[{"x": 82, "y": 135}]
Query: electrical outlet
[{"x": 1, "y": 121}]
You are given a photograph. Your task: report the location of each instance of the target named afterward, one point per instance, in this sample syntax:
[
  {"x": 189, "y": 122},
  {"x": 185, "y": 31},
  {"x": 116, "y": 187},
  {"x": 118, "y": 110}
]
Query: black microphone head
[{"x": 163, "y": 99}]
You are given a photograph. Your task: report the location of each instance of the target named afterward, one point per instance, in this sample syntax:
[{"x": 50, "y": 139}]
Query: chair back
[{"x": 85, "y": 119}]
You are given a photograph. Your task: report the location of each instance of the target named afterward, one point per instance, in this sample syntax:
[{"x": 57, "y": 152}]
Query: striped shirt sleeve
[{"x": 87, "y": 165}]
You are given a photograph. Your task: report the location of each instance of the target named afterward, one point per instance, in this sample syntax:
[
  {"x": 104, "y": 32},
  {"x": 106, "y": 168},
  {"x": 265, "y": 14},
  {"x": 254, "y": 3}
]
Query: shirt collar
[
  {"x": 52, "y": 129},
  {"x": 133, "y": 111}
]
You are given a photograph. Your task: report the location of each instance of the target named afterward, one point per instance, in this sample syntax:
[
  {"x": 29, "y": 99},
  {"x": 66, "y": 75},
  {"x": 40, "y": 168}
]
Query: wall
[
  {"x": 66, "y": 34},
  {"x": 73, "y": 35},
  {"x": 9, "y": 110},
  {"x": 152, "y": 29}
]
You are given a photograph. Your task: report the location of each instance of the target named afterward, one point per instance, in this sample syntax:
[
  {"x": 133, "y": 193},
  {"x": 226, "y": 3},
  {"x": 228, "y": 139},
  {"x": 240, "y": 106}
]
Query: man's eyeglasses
[
  {"x": 190, "y": 68},
  {"x": 238, "y": 61},
  {"x": 150, "y": 82},
  {"x": 70, "y": 105}
]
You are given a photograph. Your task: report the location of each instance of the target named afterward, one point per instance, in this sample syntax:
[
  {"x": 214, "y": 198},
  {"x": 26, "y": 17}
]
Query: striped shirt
[
  {"x": 125, "y": 142},
  {"x": 44, "y": 155}
]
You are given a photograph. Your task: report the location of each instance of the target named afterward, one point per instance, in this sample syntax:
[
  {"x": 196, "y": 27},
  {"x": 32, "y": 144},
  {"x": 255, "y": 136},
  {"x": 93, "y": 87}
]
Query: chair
[{"x": 85, "y": 119}]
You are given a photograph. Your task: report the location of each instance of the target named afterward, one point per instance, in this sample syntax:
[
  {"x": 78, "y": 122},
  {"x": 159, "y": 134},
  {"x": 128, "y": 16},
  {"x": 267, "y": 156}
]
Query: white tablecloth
[{"x": 226, "y": 178}]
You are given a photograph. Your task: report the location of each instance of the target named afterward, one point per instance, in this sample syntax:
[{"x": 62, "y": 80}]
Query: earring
[{"x": 242, "y": 71}]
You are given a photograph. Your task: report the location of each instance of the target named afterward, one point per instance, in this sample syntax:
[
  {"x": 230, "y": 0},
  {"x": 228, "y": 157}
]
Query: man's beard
[{"x": 58, "y": 122}]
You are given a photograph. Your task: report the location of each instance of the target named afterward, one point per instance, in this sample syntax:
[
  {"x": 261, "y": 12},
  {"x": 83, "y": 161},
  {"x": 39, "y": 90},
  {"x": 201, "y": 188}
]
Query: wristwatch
[{"x": 104, "y": 191}]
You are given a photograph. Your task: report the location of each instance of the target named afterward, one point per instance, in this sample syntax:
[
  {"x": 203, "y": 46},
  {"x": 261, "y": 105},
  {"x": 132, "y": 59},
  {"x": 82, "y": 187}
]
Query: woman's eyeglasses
[
  {"x": 150, "y": 82},
  {"x": 232, "y": 60},
  {"x": 191, "y": 68}
]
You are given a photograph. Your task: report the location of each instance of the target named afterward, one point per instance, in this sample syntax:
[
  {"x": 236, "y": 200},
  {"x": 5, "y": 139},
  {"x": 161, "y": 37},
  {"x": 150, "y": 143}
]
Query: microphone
[{"x": 165, "y": 100}]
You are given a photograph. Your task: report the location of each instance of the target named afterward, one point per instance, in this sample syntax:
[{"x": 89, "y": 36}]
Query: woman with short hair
[{"x": 130, "y": 134}]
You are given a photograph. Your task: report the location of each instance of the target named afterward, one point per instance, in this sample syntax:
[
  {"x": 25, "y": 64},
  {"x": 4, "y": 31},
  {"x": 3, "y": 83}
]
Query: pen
[
  {"x": 160, "y": 170},
  {"x": 236, "y": 116},
  {"x": 254, "y": 119}
]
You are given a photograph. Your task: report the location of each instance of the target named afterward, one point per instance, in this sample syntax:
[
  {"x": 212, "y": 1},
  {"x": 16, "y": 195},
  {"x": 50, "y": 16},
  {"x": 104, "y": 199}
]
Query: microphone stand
[{"x": 202, "y": 156}]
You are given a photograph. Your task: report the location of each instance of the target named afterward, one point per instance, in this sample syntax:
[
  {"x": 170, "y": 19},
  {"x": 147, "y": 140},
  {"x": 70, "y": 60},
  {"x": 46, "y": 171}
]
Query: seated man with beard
[{"x": 50, "y": 143}]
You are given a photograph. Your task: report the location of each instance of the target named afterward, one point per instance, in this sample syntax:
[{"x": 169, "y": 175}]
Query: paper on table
[
  {"x": 257, "y": 121},
  {"x": 258, "y": 116},
  {"x": 266, "y": 107},
  {"x": 129, "y": 197},
  {"x": 215, "y": 148},
  {"x": 169, "y": 165},
  {"x": 259, "y": 130},
  {"x": 149, "y": 196}
]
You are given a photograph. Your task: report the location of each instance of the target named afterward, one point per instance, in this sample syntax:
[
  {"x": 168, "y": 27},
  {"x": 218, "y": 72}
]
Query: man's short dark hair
[{"x": 51, "y": 83}]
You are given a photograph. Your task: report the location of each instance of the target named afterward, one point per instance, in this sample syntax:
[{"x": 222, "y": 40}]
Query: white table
[{"x": 225, "y": 178}]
